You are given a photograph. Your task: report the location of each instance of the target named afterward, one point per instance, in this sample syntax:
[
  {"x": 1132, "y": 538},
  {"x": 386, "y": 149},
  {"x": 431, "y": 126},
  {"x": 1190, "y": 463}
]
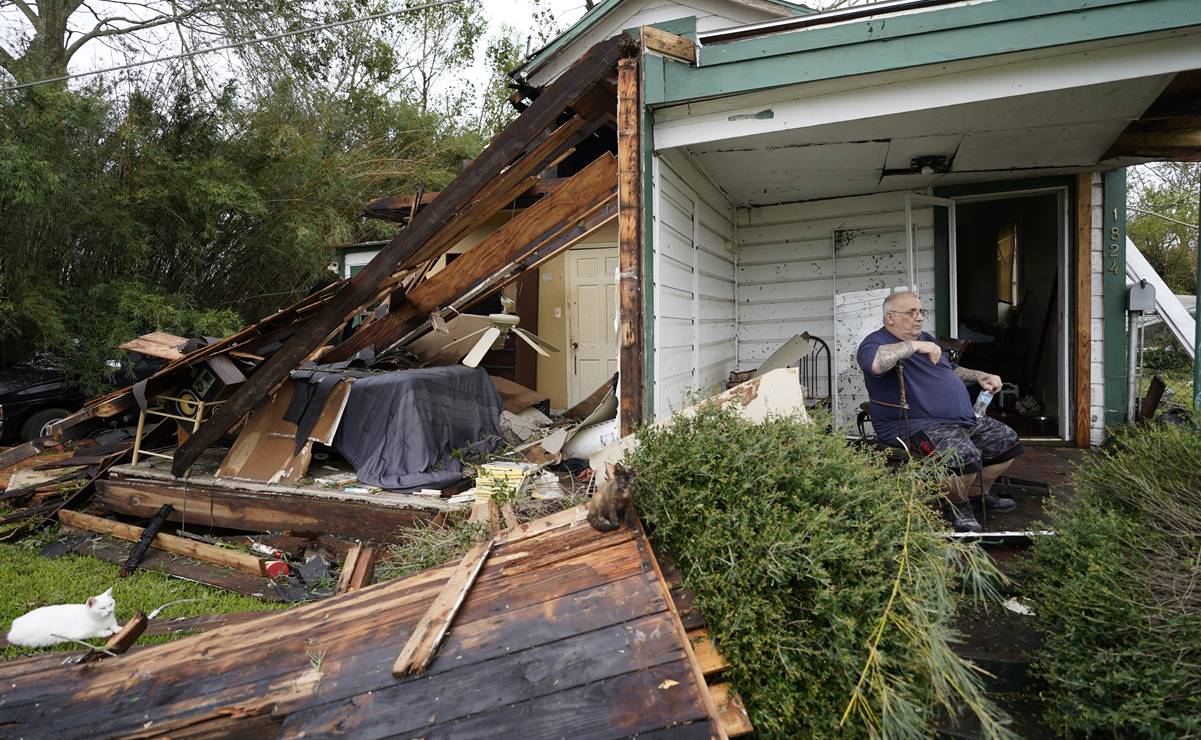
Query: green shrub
[
  {"x": 1117, "y": 591},
  {"x": 819, "y": 572}
]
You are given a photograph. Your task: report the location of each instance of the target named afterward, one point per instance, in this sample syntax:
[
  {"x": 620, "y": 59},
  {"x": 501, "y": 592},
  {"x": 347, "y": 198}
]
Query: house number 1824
[{"x": 1114, "y": 235}]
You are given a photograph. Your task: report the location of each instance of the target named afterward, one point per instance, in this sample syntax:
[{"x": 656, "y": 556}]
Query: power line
[
  {"x": 235, "y": 45},
  {"x": 1160, "y": 215}
]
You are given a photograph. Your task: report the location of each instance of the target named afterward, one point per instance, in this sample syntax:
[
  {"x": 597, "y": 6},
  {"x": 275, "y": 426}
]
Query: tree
[{"x": 1162, "y": 206}]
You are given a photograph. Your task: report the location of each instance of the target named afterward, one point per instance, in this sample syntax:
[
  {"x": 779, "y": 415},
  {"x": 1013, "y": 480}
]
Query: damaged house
[{"x": 689, "y": 186}]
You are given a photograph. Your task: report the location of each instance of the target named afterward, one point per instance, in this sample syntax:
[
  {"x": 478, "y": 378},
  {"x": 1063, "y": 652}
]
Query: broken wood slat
[
  {"x": 708, "y": 657},
  {"x": 27, "y": 513},
  {"x": 78, "y": 497},
  {"x": 629, "y": 236},
  {"x": 31, "y": 488},
  {"x": 156, "y": 344},
  {"x": 143, "y": 544},
  {"x": 510, "y": 516},
  {"x": 115, "y": 551},
  {"x": 357, "y": 568},
  {"x": 419, "y": 650},
  {"x": 209, "y": 505},
  {"x": 397, "y": 207},
  {"x": 730, "y": 710},
  {"x": 169, "y": 543},
  {"x": 121, "y": 641},
  {"x": 668, "y": 44},
  {"x": 73, "y": 461},
  {"x": 21, "y": 453},
  {"x": 407, "y": 246},
  {"x": 1151, "y": 401}
]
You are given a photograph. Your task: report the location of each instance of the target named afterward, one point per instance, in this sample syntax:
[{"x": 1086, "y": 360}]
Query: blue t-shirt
[{"x": 934, "y": 392}]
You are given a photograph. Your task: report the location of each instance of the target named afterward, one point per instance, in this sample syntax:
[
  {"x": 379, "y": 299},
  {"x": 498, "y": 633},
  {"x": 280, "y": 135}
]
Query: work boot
[
  {"x": 993, "y": 502},
  {"x": 961, "y": 517}
]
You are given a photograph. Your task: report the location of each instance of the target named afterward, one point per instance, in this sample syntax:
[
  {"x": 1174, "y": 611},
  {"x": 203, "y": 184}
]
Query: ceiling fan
[{"x": 493, "y": 336}]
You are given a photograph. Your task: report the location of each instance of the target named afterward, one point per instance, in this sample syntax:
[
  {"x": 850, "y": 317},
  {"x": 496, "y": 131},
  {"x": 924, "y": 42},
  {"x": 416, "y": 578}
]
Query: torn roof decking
[{"x": 566, "y": 632}]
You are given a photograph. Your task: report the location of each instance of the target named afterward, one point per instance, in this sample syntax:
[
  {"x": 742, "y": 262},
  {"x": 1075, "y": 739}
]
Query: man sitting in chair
[{"x": 919, "y": 400}]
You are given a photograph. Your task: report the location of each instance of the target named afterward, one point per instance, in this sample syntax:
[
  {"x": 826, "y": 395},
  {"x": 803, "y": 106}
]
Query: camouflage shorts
[{"x": 968, "y": 448}]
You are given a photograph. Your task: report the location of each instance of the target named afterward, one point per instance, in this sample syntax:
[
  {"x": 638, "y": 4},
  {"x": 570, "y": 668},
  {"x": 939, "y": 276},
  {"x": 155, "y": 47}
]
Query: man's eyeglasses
[{"x": 914, "y": 313}]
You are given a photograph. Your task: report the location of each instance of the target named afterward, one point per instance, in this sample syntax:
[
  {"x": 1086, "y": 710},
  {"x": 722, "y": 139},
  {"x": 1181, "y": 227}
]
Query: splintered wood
[
  {"x": 419, "y": 650},
  {"x": 584, "y": 643}
]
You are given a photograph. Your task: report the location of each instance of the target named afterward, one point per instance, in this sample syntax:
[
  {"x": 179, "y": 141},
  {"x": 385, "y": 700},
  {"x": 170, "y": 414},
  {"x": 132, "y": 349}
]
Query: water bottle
[{"x": 982, "y": 402}]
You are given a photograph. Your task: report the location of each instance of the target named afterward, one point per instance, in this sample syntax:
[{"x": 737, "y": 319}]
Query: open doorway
[{"x": 1010, "y": 280}]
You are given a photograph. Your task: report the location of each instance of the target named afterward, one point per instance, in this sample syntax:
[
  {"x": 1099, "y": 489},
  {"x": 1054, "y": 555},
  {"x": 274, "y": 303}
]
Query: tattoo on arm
[
  {"x": 888, "y": 355},
  {"x": 969, "y": 376}
]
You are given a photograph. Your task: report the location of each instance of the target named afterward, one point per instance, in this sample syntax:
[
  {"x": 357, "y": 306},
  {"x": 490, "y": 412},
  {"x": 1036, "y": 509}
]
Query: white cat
[{"x": 50, "y": 625}]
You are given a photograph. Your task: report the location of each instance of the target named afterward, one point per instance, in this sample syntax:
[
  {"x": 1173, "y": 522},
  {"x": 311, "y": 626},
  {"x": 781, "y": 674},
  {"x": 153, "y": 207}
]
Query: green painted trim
[
  {"x": 577, "y": 29},
  {"x": 647, "y": 140},
  {"x": 936, "y": 36},
  {"x": 1113, "y": 294},
  {"x": 942, "y": 273}
]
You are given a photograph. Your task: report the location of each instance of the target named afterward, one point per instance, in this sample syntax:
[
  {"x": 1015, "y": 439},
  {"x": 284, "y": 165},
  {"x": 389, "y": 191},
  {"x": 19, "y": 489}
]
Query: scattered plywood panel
[
  {"x": 584, "y": 645},
  {"x": 265, "y": 450},
  {"x": 157, "y": 344}
]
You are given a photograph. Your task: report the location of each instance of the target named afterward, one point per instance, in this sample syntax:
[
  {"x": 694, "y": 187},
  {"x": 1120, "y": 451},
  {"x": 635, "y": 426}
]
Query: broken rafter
[
  {"x": 668, "y": 44},
  {"x": 427, "y": 635},
  {"x": 410, "y": 245},
  {"x": 544, "y": 223}
]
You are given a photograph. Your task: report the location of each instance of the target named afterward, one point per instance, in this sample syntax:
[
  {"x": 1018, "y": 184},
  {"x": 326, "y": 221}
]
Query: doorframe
[
  {"x": 568, "y": 278},
  {"x": 946, "y": 282}
]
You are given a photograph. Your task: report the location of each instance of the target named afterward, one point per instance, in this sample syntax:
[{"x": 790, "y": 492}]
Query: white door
[{"x": 591, "y": 313}]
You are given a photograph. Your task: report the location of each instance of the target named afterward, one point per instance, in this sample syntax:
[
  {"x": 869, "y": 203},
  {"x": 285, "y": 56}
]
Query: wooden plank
[
  {"x": 419, "y": 649},
  {"x": 629, "y": 237},
  {"x": 708, "y": 657},
  {"x": 407, "y": 245},
  {"x": 634, "y": 703},
  {"x": 731, "y": 712},
  {"x": 500, "y": 685},
  {"x": 357, "y": 568},
  {"x": 250, "y": 511},
  {"x": 1083, "y": 347},
  {"x": 170, "y": 543},
  {"x": 121, "y": 641},
  {"x": 694, "y": 664},
  {"x": 110, "y": 550},
  {"x": 156, "y": 344},
  {"x": 20, "y": 453},
  {"x": 668, "y": 44}
]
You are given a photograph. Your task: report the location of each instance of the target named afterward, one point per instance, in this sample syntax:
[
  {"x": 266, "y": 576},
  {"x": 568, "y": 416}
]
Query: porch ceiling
[{"x": 1004, "y": 138}]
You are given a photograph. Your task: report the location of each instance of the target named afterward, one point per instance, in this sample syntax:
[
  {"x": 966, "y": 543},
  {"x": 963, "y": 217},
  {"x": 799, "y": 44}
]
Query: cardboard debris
[
  {"x": 519, "y": 428},
  {"x": 157, "y": 344}
]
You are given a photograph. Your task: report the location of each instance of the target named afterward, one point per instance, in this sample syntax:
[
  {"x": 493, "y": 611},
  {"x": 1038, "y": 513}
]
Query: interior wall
[
  {"x": 825, "y": 267},
  {"x": 694, "y": 284}
]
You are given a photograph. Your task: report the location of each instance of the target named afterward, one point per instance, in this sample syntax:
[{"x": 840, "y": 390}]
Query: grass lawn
[{"x": 28, "y": 581}]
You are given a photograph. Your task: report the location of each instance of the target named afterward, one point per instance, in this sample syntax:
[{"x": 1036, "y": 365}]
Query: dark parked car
[{"x": 32, "y": 397}]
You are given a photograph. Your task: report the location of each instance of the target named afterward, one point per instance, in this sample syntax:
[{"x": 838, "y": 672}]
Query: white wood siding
[
  {"x": 794, "y": 258},
  {"x": 1097, "y": 364},
  {"x": 710, "y": 15},
  {"x": 694, "y": 293}
]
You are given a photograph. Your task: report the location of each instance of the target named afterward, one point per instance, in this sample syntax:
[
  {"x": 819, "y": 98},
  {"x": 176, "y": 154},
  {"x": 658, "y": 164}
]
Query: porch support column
[
  {"x": 1197, "y": 317},
  {"x": 629, "y": 235},
  {"x": 1082, "y": 425},
  {"x": 1113, "y": 288}
]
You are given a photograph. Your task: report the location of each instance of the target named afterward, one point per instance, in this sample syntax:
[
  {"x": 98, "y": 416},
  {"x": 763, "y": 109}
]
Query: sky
[{"x": 518, "y": 14}]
